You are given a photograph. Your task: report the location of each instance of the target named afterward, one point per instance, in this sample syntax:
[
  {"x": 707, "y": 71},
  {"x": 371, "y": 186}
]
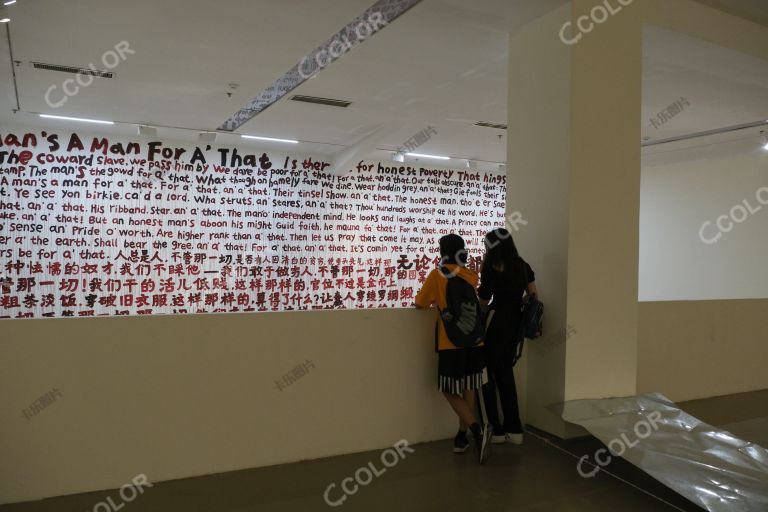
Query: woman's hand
[{"x": 532, "y": 290}]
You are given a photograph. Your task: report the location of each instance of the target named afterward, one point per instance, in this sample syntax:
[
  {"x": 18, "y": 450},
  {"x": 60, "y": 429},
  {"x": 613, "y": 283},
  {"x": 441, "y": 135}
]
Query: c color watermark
[
  {"x": 390, "y": 458},
  {"x": 128, "y": 493},
  {"x": 737, "y": 215},
  {"x": 110, "y": 59},
  {"x": 617, "y": 447},
  {"x": 597, "y": 16},
  {"x": 341, "y": 45}
]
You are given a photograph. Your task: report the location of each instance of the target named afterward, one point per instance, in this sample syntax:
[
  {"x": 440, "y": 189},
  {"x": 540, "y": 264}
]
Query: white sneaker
[
  {"x": 499, "y": 439},
  {"x": 514, "y": 438}
]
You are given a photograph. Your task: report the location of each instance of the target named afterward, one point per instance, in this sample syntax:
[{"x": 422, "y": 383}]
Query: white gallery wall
[
  {"x": 703, "y": 277},
  {"x": 704, "y": 222},
  {"x": 178, "y": 395},
  {"x": 703, "y": 284}
]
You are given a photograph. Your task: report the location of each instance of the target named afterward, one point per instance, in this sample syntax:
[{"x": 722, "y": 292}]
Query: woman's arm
[
  {"x": 485, "y": 290},
  {"x": 531, "y": 278},
  {"x": 428, "y": 293}
]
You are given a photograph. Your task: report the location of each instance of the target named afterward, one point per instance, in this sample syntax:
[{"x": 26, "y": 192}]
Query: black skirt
[{"x": 461, "y": 369}]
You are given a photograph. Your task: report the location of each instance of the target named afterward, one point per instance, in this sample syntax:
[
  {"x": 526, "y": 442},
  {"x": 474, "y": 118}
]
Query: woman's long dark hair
[{"x": 501, "y": 255}]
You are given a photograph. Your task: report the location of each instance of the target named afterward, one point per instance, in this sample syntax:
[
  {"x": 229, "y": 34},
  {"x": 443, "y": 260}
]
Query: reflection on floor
[
  {"x": 534, "y": 477},
  {"x": 744, "y": 415}
]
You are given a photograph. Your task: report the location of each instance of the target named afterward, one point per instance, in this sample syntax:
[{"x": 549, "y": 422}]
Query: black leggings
[{"x": 499, "y": 354}]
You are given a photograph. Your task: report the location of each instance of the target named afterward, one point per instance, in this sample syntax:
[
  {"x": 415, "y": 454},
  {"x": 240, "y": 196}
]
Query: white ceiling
[
  {"x": 724, "y": 88},
  {"x": 442, "y": 64},
  {"x": 753, "y": 10}
]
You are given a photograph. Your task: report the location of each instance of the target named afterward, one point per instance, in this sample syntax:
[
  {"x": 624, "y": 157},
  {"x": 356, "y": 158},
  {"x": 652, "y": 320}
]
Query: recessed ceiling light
[
  {"x": 9, "y": 2},
  {"x": 321, "y": 101},
  {"x": 147, "y": 131},
  {"x": 287, "y": 141},
  {"x": 5, "y": 20},
  {"x": 486, "y": 124},
  {"x": 79, "y": 119},
  {"x": 429, "y": 156},
  {"x": 206, "y": 137}
]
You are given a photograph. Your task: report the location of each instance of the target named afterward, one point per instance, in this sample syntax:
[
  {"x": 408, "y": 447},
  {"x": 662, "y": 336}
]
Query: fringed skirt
[{"x": 461, "y": 369}]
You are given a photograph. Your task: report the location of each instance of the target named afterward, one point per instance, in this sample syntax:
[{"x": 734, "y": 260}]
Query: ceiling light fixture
[
  {"x": 321, "y": 101},
  {"x": 79, "y": 119},
  {"x": 765, "y": 146},
  {"x": 436, "y": 157},
  {"x": 5, "y": 20},
  {"x": 147, "y": 131},
  {"x": 287, "y": 141},
  {"x": 9, "y": 2},
  {"x": 208, "y": 137}
]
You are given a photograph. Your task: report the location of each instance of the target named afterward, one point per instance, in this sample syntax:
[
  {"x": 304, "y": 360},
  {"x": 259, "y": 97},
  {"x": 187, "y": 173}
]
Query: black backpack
[
  {"x": 532, "y": 314},
  {"x": 463, "y": 317}
]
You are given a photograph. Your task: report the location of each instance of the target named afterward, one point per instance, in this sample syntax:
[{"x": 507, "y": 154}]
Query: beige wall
[
  {"x": 574, "y": 166},
  {"x": 604, "y": 205},
  {"x": 188, "y": 395},
  {"x": 696, "y": 349},
  {"x": 176, "y": 396},
  {"x": 580, "y": 197},
  {"x": 701, "y": 349},
  {"x": 538, "y": 150}
]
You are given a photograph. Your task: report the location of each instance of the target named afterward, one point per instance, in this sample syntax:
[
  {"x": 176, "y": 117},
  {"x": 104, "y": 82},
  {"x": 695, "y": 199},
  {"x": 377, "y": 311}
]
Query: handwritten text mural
[{"x": 91, "y": 225}]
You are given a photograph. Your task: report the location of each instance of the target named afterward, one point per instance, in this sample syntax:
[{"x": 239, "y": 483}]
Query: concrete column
[
  {"x": 538, "y": 175},
  {"x": 604, "y": 216},
  {"x": 575, "y": 78},
  {"x": 574, "y": 174}
]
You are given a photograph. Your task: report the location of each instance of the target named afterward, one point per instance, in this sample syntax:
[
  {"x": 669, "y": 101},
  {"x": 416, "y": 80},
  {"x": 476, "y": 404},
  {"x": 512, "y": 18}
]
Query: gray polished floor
[
  {"x": 531, "y": 477},
  {"x": 534, "y": 477}
]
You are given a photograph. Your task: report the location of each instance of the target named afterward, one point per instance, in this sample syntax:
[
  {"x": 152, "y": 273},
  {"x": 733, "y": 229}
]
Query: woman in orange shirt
[{"x": 461, "y": 371}]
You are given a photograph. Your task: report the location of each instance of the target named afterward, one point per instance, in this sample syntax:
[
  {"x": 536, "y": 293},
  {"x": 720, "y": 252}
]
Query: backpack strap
[
  {"x": 518, "y": 351},
  {"x": 439, "y": 316},
  {"x": 520, "y": 341},
  {"x": 527, "y": 276}
]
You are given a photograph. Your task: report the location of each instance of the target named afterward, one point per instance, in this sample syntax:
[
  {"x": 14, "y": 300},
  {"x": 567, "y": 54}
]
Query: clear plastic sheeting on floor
[{"x": 709, "y": 466}]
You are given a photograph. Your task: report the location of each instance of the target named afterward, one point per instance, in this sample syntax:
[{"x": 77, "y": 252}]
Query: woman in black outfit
[{"x": 504, "y": 280}]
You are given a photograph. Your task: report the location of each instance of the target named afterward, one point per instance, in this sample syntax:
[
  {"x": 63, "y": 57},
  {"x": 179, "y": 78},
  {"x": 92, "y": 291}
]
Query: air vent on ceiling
[
  {"x": 322, "y": 101},
  {"x": 73, "y": 70},
  {"x": 491, "y": 125}
]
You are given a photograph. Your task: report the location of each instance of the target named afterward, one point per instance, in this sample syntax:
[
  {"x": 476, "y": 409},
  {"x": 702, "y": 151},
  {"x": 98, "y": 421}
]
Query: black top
[{"x": 505, "y": 288}]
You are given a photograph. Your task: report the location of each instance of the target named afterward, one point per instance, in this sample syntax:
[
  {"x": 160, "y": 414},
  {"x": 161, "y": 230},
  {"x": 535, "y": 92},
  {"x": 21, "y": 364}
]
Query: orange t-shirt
[{"x": 433, "y": 292}]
